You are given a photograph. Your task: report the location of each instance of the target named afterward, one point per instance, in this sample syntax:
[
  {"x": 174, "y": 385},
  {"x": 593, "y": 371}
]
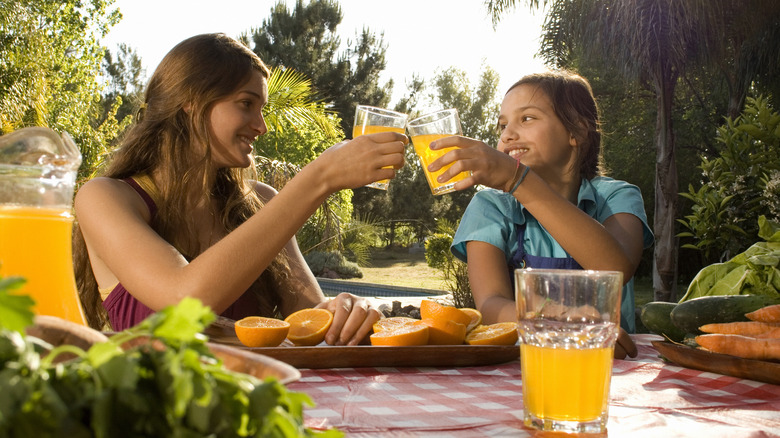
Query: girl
[
  {"x": 552, "y": 207},
  {"x": 176, "y": 213}
]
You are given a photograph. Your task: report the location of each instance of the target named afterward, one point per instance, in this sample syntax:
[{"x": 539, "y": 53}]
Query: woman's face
[
  {"x": 533, "y": 134},
  {"x": 236, "y": 121}
]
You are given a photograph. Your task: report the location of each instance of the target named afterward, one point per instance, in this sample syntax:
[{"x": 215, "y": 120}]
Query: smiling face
[
  {"x": 236, "y": 121},
  {"x": 532, "y": 133}
]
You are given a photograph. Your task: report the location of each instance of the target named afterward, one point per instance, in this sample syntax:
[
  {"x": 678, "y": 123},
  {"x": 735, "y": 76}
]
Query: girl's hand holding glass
[{"x": 488, "y": 166}]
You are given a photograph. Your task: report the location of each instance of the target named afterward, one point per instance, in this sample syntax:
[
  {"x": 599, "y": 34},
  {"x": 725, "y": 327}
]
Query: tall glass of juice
[
  {"x": 424, "y": 130},
  {"x": 370, "y": 120},
  {"x": 37, "y": 178},
  {"x": 568, "y": 324}
]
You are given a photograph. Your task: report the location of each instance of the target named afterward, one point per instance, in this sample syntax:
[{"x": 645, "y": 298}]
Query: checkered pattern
[{"x": 648, "y": 398}]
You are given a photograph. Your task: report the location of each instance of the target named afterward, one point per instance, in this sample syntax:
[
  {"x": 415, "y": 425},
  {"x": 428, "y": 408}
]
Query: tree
[
  {"x": 304, "y": 39},
  {"x": 651, "y": 42},
  {"x": 125, "y": 76},
  {"x": 49, "y": 64}
]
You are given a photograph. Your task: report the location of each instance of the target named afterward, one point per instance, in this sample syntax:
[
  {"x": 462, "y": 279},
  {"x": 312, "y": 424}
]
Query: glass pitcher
[{"x": 37, "y": 177}]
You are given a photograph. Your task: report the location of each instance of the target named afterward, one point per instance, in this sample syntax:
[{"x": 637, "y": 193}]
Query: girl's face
[
  {"x": 236, "y": 121},
  {"x": 533, "y": 134}
]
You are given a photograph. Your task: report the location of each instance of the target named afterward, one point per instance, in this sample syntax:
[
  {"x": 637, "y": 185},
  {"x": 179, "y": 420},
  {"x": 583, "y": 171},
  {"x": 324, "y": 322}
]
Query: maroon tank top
[{"x": 125, "y": 311}]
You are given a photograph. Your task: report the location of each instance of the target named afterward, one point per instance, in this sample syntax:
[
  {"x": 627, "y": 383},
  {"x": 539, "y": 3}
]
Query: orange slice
[
  {"x": 402, "y": 335},
  {"x": 432, "y": 310},
  {"x": 445, "y": 332},
  {"x": 502, "y": 333},
  {"x": 393, "y": 322},
  {"x": 308, "y": 326},
  {"x": 258, "y": 331},
  {"x": 476, "y": 317}
]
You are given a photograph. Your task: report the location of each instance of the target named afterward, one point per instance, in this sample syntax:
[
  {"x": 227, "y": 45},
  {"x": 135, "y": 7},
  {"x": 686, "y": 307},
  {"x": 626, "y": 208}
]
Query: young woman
[
  {"x": 552, "y": 207},
  {"x": 178, "y": 213}
]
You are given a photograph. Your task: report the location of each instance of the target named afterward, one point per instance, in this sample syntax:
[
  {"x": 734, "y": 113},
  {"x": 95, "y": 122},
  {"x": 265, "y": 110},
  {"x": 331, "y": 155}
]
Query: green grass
[
  {"x": 399, "y": 267},
  {"x": 643, "y": 291}
]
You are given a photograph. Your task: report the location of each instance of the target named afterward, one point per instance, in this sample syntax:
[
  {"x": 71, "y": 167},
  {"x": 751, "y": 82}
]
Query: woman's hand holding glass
[{"x": 363, "y": 160}]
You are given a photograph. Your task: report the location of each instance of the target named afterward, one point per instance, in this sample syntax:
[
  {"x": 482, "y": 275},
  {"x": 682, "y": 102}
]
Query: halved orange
[
  {"x": 308, "y": 326},
  {"x": 445, "y": 332},
  {"x": 430, "y": 309},
  {"x": 502, "y": 333},
  {"x": 402, "y": 335},
  {"x": 393, "y": 322},
  {"x": 259, "y": 331},
  {"x": 476, "y": 317}
]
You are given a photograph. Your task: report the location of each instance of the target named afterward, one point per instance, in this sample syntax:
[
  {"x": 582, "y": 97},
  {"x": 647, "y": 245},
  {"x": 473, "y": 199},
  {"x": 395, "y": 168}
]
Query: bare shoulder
[
  {"x": 101, "y": 194},
  {"x": 263, "y": 190}
]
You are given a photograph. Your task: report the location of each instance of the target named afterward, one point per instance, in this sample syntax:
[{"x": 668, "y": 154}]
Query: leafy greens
[
  {"x": 753, "y": 272},
  {"x": 167, "y": 384}
]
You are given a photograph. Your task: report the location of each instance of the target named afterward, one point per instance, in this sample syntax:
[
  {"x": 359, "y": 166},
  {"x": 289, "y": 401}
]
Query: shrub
[
  {"x": 322, "y": 263},
  {"x": 740, "y": 185},
  {"x": 439, "y": 256}
]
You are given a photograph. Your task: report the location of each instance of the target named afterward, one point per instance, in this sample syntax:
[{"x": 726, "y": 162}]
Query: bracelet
[
  {"x": 517, "y": 167},
  {"x": 522, "y": 177}
]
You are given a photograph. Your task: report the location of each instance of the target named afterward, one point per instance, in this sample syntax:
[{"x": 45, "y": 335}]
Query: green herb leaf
[{"x": 15, "y": 310}]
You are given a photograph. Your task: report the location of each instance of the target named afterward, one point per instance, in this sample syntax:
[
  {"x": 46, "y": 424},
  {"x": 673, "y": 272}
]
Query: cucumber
[
  {"x": 656, "y": 316},
  {"x": 692, "y": 314}
]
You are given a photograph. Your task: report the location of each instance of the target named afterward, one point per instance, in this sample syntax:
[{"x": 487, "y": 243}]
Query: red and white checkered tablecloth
[{"x": 648, "y": 398}]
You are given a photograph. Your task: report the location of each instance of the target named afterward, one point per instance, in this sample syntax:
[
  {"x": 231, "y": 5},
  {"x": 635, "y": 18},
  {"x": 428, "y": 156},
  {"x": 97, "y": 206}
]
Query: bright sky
[{"x": 422, "y": 36}]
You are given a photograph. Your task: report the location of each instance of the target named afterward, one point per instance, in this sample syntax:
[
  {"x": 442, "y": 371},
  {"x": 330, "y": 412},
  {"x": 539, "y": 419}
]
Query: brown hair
[
  {"x": 574, "y": 104},
  {"x": 195, "y": 74}
]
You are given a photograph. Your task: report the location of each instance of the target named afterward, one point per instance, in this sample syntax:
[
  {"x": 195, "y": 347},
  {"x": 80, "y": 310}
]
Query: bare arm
[
  {"x": 490, "y": 283},
  {"x": 114, "y": 223},
  {"x": 614, "y": 245}
]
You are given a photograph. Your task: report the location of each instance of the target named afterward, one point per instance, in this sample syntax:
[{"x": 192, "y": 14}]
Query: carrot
[
  {"x": 744, "y": 328},
  {"x": 741, "y": 346},
  {"x": 766, "y": 314},
  {"x": 771, "y": 334}
]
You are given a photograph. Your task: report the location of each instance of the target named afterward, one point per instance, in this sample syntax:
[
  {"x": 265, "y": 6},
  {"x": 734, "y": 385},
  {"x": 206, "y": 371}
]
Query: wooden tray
[
  {"x": 683, "y": 355},
  {"x": 326, "y": 356}
]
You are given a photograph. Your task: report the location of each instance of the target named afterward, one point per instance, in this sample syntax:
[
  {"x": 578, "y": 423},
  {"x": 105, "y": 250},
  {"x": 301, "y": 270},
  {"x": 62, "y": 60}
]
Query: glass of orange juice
[
  {"x": 424, "y": 130},
  {"x": 568, "y": 325},
  {"x": 37, "y": 178},
  {"x": 370, "y": 120}
]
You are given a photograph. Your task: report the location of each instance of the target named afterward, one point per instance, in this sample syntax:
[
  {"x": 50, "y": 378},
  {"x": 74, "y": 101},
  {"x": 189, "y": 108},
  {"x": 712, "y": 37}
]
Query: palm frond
[{"x": 290, "y": 98}]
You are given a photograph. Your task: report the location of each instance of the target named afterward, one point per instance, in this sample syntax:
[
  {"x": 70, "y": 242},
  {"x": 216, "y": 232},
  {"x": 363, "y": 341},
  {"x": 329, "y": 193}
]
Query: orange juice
[
  {"x": 565, "y": 384},
  {"x": 428, "y": 156},
  {"x": 359, "y": 130},
  {"x": 35, "y": 243}
]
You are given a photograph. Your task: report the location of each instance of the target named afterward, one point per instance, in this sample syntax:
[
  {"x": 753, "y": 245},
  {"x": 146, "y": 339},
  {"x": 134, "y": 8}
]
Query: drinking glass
[
  {"x": 568, "y": 324},
  {"x": 424, "y": 130},
  {"x": 370, "y": 120}
]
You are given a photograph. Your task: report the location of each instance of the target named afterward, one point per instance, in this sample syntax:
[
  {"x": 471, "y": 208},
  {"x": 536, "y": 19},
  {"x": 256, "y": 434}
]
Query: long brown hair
[
  {"x": 574, "y": 104},
  {"x": 194, "y": 75}
]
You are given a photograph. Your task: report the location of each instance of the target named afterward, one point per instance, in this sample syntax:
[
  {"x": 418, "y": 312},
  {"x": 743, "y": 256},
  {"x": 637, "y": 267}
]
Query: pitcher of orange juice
[{"x": 37, "y": 177}]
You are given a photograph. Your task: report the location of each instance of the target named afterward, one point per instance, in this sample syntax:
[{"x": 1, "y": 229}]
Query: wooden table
[{"x": 649, "y": 398}]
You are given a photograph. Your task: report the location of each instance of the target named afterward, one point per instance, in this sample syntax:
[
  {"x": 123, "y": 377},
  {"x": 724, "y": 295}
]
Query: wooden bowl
[{"x": 57, "y": 331}]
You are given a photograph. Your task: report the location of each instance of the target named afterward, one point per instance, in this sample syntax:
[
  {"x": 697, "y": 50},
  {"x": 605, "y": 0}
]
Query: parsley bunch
[{"x": 167, "y": 385}]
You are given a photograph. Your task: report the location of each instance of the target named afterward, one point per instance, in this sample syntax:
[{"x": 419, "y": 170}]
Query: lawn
[{"x": 401, "y": 267}]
